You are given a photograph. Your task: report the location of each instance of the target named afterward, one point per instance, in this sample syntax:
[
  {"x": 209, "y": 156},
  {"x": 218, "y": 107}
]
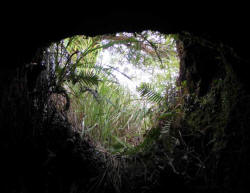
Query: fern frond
[
  {"x": 147, "y": 91},
  {"x": 94, "y": 67},
  {"x": 88, "y": 78}
]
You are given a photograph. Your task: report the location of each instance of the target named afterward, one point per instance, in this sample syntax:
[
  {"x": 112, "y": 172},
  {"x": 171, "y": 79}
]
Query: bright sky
[
  {"x": 116, "y": 60},
  {"x": 138, "y": 76}
]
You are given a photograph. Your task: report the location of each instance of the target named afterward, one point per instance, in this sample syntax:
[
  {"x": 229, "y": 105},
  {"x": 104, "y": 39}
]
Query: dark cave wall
[
  {"x": 216, "y": 110},
  {"x": 30, "y": 29},
  {"x": 216, "y": 78}
]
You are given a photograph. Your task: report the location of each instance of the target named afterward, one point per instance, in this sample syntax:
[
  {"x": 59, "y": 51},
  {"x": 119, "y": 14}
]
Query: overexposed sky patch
[
  {"x": 137, "y": 75},
  {"x": 117, "y": 60}
]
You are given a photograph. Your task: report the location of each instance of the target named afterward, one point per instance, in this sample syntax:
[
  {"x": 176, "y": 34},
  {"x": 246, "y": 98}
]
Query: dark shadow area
[{"x": 206, "y": 150}]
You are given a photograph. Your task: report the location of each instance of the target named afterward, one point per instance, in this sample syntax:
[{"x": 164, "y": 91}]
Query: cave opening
[
  {"x": 117, "y": 84},
  {"x": 198, "y": 144}
]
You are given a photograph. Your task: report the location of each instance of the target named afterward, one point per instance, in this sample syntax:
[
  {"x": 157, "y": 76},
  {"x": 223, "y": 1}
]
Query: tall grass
[{"x": 117, "y": 120}]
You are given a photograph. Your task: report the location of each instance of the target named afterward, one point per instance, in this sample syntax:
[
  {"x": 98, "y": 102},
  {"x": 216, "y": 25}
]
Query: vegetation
[
  {"x": 195, "y": 139},
  {"x": 103, "y": 108}
]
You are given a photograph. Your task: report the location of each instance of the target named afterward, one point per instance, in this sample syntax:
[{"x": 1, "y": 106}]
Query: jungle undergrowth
[{"x": 100, "y": 106}]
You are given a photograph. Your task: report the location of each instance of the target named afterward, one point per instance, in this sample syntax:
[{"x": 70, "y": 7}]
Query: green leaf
[{"x": 147, "y": 91}]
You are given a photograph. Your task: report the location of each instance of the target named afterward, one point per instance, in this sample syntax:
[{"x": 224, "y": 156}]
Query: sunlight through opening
[{"x": 117, "y": 84}]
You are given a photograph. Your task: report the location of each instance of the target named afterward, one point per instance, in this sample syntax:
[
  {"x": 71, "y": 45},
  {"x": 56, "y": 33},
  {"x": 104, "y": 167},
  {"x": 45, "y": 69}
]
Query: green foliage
[
  {"x": 146, "y": 90},
  {"x": 87, "y": 78},
  {"x": 111, "y": 114},
  {"x": 114, "y": 121}
]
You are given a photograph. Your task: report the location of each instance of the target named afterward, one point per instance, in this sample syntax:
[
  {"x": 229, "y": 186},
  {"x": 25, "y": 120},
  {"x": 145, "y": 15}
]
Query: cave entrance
[{"x": 118, "y": 84}]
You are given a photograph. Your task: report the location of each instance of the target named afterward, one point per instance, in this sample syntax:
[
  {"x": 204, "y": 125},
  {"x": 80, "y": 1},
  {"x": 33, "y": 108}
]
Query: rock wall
[
  {"x": 216, "y": 111},
  {"x": 214, "y": 61}
]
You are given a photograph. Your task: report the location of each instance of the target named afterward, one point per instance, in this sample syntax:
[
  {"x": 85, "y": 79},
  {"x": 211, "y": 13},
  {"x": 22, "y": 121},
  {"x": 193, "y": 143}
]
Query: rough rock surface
[{"x": 41, "y": 154}]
